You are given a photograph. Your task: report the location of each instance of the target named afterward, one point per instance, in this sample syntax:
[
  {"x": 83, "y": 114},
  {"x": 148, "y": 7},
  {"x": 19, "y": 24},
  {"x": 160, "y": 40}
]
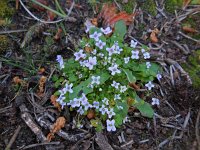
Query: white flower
[
  {"x": 135, "y": 54},
  {"x": 146, "y": 55},
  {"x": 110, "y": 113},
  {"x": 118, "y": 50},
  {"x": 123, "y": 89},
  {"x": 110, "y": 125},
  {"x": 91, "y": 62},
  {"x": 149, "y": 85},
  {"x": 95, "y": 80},
  {"x": 62, "y": 92},
  {"x": 114, "y": 69},
  {"x": 83, "y": 99},
  {"x": 96, "y": 104},
  {"x": 94, "y": 52},
  {"x": 103, "y": 109},
  {"x": 117, "y": 96},
  {"x": 155, "y": 101},
  {"x": 60, "y": 61},
  {"x": 95, "y": 36},
  {"x": 100, "y": 44},
  {"x": 106, "y": 31},
  {"x": 83, "y": 63},
  {"x": 120, "y": 107},
  {"x": 60, "y": 99},
  {"x": 115, "y": 85},
  {"x": 111, "y": 50},
  {"x": 68, "y": 87},
  {"x": 105, "y": 101},
  {"x": 148, "y": 64},
  {"x": 79, "y": 55},
  {"x": 80, "y": 110},
  {"x": 159, "y": 76},
  {"x": 88, "y": 25},
  {"x": 126, "y": 60},
  {"x": 100, "y": 89},
  {"x": 133, "y": 44}
]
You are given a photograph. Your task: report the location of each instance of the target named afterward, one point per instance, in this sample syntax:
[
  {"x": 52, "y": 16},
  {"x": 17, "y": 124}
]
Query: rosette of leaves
[{"x": 135, "y": 71}]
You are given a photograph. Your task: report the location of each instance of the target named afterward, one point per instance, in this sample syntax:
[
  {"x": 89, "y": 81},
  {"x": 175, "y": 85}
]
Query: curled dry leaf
[
  {"x": 58, "y": 34},
  {"x": 41, "y": 70},
  {"x": 60, "y": 123},
  {"x": 94, "y": 21},
  {"x": 91, "y": 114},
  {"x": 17, "y": 80},
  {"x": 42, "y": 82},
  {"x": 88, "y": 49},
  {"x": 189, "y": 29},
  {"x": 153, "y": 36},
  {"x": 134, "y": 85},
  {"x": 55, "y": 103},
  {"x": 110, "y": 15}
]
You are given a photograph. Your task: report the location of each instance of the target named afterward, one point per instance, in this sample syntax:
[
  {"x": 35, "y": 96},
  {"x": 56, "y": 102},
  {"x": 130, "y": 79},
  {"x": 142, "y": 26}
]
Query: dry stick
[
  {"x": 180, "y": 47},
  {"x": 197, "y": 130},
  {"x": 12, "y": 140},
  {"x": 40, "y": 144},
  {"x": 12, "y": 31},
  {"x": 188, "y": 37},
  {"x": 101, "y": 141}
]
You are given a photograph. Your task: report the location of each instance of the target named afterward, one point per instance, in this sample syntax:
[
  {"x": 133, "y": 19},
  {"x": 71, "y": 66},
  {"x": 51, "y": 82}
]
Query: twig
[
  {"x": 39, "y": 144},
  {"x": 12, "y": 140},
  {"x": 197, "y": 130},
  {"x": 12, "y": 31},
  {"x": 101, "y": 141},
  {"x": 188, "y": 37},
  {"x": 180, "y": 47},
  {"x": 126, "y": 144}
]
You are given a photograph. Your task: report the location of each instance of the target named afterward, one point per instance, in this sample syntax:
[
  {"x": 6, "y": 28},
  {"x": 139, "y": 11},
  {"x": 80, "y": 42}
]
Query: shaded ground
[{"x": 174, "y": 123}]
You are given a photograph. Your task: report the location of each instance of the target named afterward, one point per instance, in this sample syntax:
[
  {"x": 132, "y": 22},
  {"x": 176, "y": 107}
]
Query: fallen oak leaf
[{"x": 153, "y": 36}]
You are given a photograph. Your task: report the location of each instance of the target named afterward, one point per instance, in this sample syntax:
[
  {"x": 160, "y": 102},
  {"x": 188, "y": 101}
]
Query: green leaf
[
  {"x": 120, "y": 29},
  {"x": 118, "y": 120},
  {"x": 145, "y": 109},
  {"x": 130, "y": 76}
]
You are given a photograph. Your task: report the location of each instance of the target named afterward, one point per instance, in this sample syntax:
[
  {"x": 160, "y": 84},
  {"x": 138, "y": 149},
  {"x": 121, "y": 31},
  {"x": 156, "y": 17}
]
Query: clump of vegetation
[
  {"x": 100, "y": 82},
  {"x": 4, "y": 42},
  {"x": 193, "y": 68},
  {"x": 172, "y": 5},
  {"x": 149, "y": 6},
  {"x": 5, "y": 11}
]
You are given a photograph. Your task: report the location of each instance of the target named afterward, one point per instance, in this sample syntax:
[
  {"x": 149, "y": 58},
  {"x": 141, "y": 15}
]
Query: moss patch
[
  {"x": 5, "y": 10},
  {"x": 193, "y": 68},
  {"x": 148, "y": 5},
  {"x": 4, "y": 42},
  {"x": 172, "y": 5}
]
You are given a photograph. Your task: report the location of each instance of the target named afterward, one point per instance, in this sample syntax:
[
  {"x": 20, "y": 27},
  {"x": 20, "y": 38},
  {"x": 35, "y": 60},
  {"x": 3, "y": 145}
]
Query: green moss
[
  {"x": 4, "y": 42},
  {"x": 128, "y": 7},
  {"x": 5, "y": 10},
  {"x": 148, "y": 5},
  {"x": 172, "y": 5},
  {"x": 193, "y": 68}
]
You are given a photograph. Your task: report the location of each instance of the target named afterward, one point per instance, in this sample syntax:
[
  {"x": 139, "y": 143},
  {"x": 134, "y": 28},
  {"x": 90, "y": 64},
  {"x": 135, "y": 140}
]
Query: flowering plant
[{"x": 101, "y": 74}]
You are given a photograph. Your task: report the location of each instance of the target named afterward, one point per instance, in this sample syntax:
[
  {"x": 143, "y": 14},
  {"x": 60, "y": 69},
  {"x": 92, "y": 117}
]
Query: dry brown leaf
[
  {"x": 17, "y": 80},
  {"x": 60, "y": 123},
  {"x": 58, "y": 34},
  {"x": 189, "y": 29},
  {"x": 55, "y": 103},
  {"x": 134, "y": 85},
  {"x": 41, "y": 70},
  {"x": 88, "y": 49},
  {"x": 109, "y": 14},
  {"x": 91, "y": 114},
  {"x": 153, "y": 36},
  {"x": 94, "y": 21},
  {"x": 185, "y": 3},
  {"x": 42, "y": 82}
]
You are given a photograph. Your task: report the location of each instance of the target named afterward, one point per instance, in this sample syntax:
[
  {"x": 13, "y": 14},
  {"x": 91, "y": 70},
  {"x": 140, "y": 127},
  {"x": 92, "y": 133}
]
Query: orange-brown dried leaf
[
  {"x": 50, "y": 136},
  {"x": 134, "y": 85},
  {"x": 153, "y": 36},
  {"x": 189, "y": 29},
  {"x": 94, "y": 21},
  {"x": 55, "y": 103},
  {"x": 60, "y": 123},
  {"x": 88, "y": 49},
  {"x": 42, "y": 82},
  {"x": 58, "y": 34},
  {"x": 17, "y": 80},
  {"x": 41, "y": 70},
  {"x": 91, "y": 114}
]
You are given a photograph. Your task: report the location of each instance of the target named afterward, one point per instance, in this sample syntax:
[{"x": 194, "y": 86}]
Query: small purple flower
[
  {"x": 146, "y": 55},
  {"x": 155, "y": 101},
  {"x": 105, "y": 101},
  {"x": 114, "y": 69},
  {"x": 115, "y": 85},
  {"x": 100, "y": 44},
  {"x": 95, "y": 36},
  {"x": 148, "y": 64},
  {"x": 96, "y": 105},
  {"x": 135, "y": 54},
  {"x": 91, "y": 62},
  {"x": 110, "y": 125},
  {"x": 117, "y": 97},
  {"x": 159, "y": 76},
  {"x": 79, "y": 55},
  {"x": 123, "y": 89},
  {"x": 126, "y": 60},
  {"x": 133, "y": 44},
  {"x": 110, "y": 113},
  {"x": 95, "y": 80},
  {"x": 103, "y": 109},
  {"x": 111, "y": 50},
  {"x": 80, "y": 110},
  {"x": 106, "y": 31},
  {"x": 68, "y": 87},
  {"x": 149, "y": 85},
  {"x": 60, "y": 61}
]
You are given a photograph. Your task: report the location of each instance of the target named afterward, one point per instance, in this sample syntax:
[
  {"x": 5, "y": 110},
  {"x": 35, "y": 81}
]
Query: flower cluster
[{"x": 100, "y": 80}]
